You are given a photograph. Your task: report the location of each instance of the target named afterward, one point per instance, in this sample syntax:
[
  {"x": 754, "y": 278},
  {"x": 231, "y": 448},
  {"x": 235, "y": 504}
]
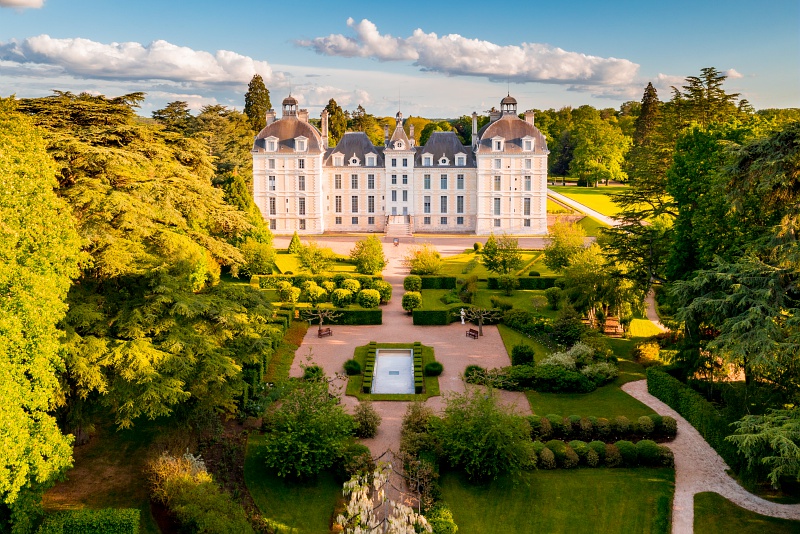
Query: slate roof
[
  {"x": 354, "y": 143},
  {"x": 512, "y": 129},
  {"x": 445, "y": 144},
  {"x": 286, "y": 130}
]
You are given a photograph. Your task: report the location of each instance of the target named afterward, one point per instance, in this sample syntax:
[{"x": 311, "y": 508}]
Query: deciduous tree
[
  {"x": 501, "y": 256},
  {"x": 368, "y": 255}
]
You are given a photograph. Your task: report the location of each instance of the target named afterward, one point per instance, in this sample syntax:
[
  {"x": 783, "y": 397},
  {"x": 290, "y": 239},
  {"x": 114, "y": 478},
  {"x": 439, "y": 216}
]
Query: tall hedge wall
[
  {"x": 358, "y": 316},
  {"x": 104, "y": 521},
  {"x": 526, "y": 282},
  {"x": 438, "y": 282},
  {"x": 436, "y": 317},
  {"x": 700, "y": 413}
]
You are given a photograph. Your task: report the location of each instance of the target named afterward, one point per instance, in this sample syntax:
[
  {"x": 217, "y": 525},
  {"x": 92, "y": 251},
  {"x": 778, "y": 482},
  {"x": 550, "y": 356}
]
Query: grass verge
[
  {"x": 714, "y": 514},
  {"x": 596, "y": 198},
  {"x": 643, "y": 328},
  {"x": 591, "y": 226},
  {"x": 431, "y": 382},
  {"x": 281, "y": 361},
  {"x": 568, "y": 501},
  {"x": 306, "y": 505},
  {"x": 512, "y": 337}
]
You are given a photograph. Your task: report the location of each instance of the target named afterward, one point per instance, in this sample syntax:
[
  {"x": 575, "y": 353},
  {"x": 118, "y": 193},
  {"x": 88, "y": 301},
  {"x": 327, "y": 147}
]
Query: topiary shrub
[
  {"x": 612, "y": 457},
  {"x": 367, "y": 420},
  {"x": 103, "y": 521},
  {"x": 581, "y": 448},
  {"x": 351, "y": 285},
  {"x": 602, "y": 428},
  {"x": 369, "y": 298},
  {"x": 547, "y": 460},
  {"x": 328, "y": 286},
  {"x": 666, "y": 456},
  {"x": 598, "y": 447},
  {"x": 341, "y": 298},
  {"x": 440, "y": 518},
  {"x": 540, "y": 427},
  {"x": 645, "y": 426},
  {"x": 352, "y": 367},
  {"x": 628, "y": 452},
  {"x": 411, "y": 300},
  {"x": 384, "y": 288},
  {"x": 355, "y": 459},
  {"x": 534, "y": 273},
  {"x": 294, "y": 245},
  {"x": 522, "y": 354},
  {"x": 338, "y": 278},
  {"x": 412, "y": 283},
  {"x": 620, "y": 426},
  {"x": 553, "y": 296},
  {"x": 657, "y": 421},
  {"x": 557, "y": 423},
  {"x": 570, "y": 458},
  {"x": 648, "y": 453},
  {"x": 474, "y": 374},
  {"x": 585, "y": 428},
  {"x": 500, "y": 303},
  {"x": 433, "y": 369},
  {"x": 592, "y": 458},
  {"x": 477, "y": 246},
  {"x": 559, "y": 449},
  {"x": 669, "y": 426}
]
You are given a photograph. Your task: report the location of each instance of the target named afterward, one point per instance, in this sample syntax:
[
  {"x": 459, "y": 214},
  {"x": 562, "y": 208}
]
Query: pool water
[{"x": 394, "y": 371}]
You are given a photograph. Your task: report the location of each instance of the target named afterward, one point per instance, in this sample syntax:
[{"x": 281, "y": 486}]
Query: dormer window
[
  {"x": 497, "y": 144},
  {"x": 370, "y": 161},
  {"x": 461, "y": 160},
  {"x": 354, "y": 161},
  {"x": 271, "y": 144},
  {"x": 338, "y": 161},
  {"x": 527, "y": 144},
  {"x": 444, "y": 161},
  {"x": 427, "y": 160},
  {"x": 300, "y": 144},
  {"x": 399, "y": 145}
]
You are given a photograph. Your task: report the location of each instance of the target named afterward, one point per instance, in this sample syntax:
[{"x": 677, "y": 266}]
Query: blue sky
[{"x": 436, "y": 59}]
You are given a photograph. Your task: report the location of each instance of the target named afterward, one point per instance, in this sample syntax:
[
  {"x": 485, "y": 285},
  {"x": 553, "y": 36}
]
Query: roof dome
[
  {"x": 290, "y": 101},
  {"x": 509, "y": 100}
]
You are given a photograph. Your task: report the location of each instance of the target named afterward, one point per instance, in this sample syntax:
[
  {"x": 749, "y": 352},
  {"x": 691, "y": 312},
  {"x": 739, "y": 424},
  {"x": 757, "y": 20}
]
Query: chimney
[
  {"x": 411, "y": 133},
  {"x": 529, "y": 117},
  {"x": 494, "y": 115},
  {"x": 324, "y": 127},
  {"x": 385, "y": 135},
  {"x": 271, "y": 116},
  {"x": 474, "y": 129},
  {"x": 302, "y": 115}
]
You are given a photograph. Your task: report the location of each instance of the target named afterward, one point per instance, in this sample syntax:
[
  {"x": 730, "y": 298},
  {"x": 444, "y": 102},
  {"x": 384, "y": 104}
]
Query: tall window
[
  {"x": 426, "y": 181},
  {"x": 302, "y": 224},
  {"x": 354, "y": 204},
  {"x": 443, "y": 205},
  {"x": 528, "y": 164},
  {"x": 460, "y": 181},
  {"x": 460, "y": 204},
  {"x": 394, "y": 162},
  {"x": 271, "y": 146},
  {"x": 527, "y": 183},
  {"x": 405, "y": 195},
  {"x": 273, "y": 210},
  {"x": 405, "y": 162},
  {"x": 443, "y": 180},
  {"x": 338, "y": 203},
  {"x": 394, "y": 179},
  {"x": 426, "y": 204},
  {"x": 301, "y": 206},
  {"x": 498, "y": 163},
  {"x": 497, "y": 183},
  {"x": 496, "y": 206},
  {"x": 273, "y": 224},
  {"x": 271, "y": 163},
  {"x": 272, "y": 183},
  {"x": 526, "y": 206},
  {"x": 337, "y": 181},
  {"x": 301, "y": 183},
  {"x": 498, "y": 145},
  {"x": 353, "y": 181},
  {"x": 301, "y": 163},
  {"x": 370, "y": 181},
  {"x": 528, "y": 145},
  {"x": 371, "y": 204},
  {"x": 405, "y": 179},
  {"x": 427, "y": 161},
  {"x": 394, "y": 195}
]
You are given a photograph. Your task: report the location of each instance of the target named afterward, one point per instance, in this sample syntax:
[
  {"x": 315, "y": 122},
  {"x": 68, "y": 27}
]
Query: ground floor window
[
  {"x": 443, "y": 220},
  {"x": 338, "y": 220},
  {"x": 526, "y": 223},
  {"x": 459, "y": 220},
  {"x": 370, "y": 220},
  {"x": 426, "y": 220},
  {"x": 273, "y": 224},
  {"x": 497, "y": 222},
  {"x": 302, "y": 224},
  {"x": 355, "y": 220}
]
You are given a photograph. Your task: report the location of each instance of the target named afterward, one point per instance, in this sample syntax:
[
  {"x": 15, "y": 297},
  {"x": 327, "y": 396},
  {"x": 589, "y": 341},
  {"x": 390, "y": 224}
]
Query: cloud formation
[
  {"x": 22, "y": 4},
  {"x": 455, "y": 55},
  {"x": 159, "y": 60}
]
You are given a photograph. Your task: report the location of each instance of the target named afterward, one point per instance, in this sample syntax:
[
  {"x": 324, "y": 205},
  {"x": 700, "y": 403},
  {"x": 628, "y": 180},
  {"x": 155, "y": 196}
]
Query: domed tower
[
  {"x": 508, "y": 105},
  {"x": 289, "y": 106}
]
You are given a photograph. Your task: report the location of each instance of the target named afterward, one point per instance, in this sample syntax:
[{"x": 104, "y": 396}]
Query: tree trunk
[{"x": 480, "y": 325}]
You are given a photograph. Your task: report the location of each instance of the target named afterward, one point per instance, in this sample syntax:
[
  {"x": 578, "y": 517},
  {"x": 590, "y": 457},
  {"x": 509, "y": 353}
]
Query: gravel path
[
  {"x": 583, "y": 208},
  {"x": 699, "y": 468},
  {"x": 650, "y": 309}
]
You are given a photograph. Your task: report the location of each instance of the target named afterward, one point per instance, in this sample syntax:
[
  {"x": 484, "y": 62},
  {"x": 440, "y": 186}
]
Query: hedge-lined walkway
[{"x": 699, "y": 468}]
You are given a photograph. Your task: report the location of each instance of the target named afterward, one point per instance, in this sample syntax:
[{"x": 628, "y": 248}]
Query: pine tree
[
  {"x": 294, "y": 245},
  {"x": 337, "y": 122},
  {"x": 256, "y": 103}
]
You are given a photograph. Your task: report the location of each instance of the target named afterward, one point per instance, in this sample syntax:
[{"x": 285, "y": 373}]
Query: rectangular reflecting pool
[{"x": 394, "y": 371}]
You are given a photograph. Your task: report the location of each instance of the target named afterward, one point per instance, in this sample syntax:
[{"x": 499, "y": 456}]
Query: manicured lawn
[
  {"x": 553, "y": 207},
  {"x": 523, "y": 299},
  {"x": 512, "y": 337},
  {"x": 285, "y": 262},
  {"x": 432, "y": 299},
  {"x": 565, "y": 501},
  {"x": 714, "y": 514},
  {"x": 597, "y": 198},
  {"x": 643, "y": 328},
  {"x": 306, "y": 506},
  {"x": 469, "y": 263},
  {"x": 591, "y": 226},
  {"x": 431, "y": 382},
  {"x": 281, "y": 361}
]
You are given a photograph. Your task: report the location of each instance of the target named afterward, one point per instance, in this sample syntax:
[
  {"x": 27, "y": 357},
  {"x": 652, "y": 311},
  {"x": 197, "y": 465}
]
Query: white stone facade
[{"x": 498, "y": 184}]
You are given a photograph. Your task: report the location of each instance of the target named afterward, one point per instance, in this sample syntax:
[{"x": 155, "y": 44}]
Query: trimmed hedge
[
  {"x": 358, "y": 316},
  {"x": 536, "y": 282},
  {"x": 270, "y": 281},
  {"x": 435, "y": 317},
  {"x": 104, "y": 521},
  {"x": 553, "y": 426},
  {"x": 700, "y": 413},
  {"x": 438, "y": 282}
]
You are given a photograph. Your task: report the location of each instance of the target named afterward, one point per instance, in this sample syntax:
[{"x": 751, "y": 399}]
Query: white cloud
[
  {"x": 22, "y": 4},
  {"x": 460, "y": 56},
  {"x": 159, "y": 60},
  {"x": 733, "y": 74}
]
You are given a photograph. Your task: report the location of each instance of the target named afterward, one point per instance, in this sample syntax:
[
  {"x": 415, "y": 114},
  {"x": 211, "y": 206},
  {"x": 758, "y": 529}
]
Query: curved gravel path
[
  {"x": 650, "y": 309},
  {"x": 699, "y": 468}
]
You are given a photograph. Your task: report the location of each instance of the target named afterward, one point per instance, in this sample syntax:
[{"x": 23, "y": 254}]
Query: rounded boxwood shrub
[
  {"x": 669, "y": 426},
  {"x": 557, "y": 424},
  {"x": 575, "y": 423},
  {"x": 599, "y": 447},
  {"x": 540, "y": 427},
  {"x": 534, "y": 273},
  {"x": 338, "y": 278},
  {"x": 351, "y": 284},
  {"x": 559, "y": 449},
  {"x": 367, "y": 420},
  {"x": 522, "y": 354},
  {"x": 547, "y": 460},
  {"x": 602, "y": 428},
  {"x": 384, "y": 288},
  {"x": 570, "y": 458},
  {"x": 645, "y": 425},
  {"x": 328, "y": 286},
  {"x": 433, "y": 369},
  {"x": 369, "y": 298},
  {"x": 411, "y": 301},
  {"x": 538, "y": 446},
  {"x": 474, "y": 374},
  {"x": 341, "y": 298},
  {"x": 621, "y": 426},
  {"x": 592, "y": 458},
  {"x": 648, "y": 453},
  {"x": 477, "y": 246},
  {"x": 412, "y": 282},
  {"x": 666, "y": 456},
  {"x": 585, "y": 428},
  {"x": 581, "y": 448},
  {"x": 628, "y": 452},
  {"x": 440, "y": 518},
  {"x": 313, "y": 372},
  {"x": 657, "y": 420},
  {"x": 352, "y": 367},
  {"x": 612, "y": 457}
]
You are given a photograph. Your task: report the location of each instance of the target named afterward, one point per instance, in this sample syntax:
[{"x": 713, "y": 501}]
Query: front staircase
[{"x": 398, "y": 226}]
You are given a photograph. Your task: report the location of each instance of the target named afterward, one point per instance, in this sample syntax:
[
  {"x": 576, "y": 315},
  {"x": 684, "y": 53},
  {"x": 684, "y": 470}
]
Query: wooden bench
[
  {"x": 322, "y": 332},
  {"x": 472, "y": 333}
]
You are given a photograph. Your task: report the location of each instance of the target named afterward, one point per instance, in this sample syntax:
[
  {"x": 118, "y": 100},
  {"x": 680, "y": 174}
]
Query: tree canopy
[{"x": 257, "y": 103}]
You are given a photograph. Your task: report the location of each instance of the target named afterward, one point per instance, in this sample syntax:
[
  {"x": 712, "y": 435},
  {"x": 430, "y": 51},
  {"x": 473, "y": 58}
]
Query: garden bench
[
  {"x": 322, "y": 332},
  {"x": 472, "y": 333}
]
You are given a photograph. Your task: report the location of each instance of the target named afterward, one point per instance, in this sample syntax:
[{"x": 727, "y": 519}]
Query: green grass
[
  {"x": 643, "y": 328},
  {"x": 281, "y": 361},
  {"x": 432, "y": 299},
  {"x": 596, "y": 198},
  {"x": 431, "y": 382},
  {"x": 522, "y": 299},
  {"x": 715, "y": 514},
  {"x": 553, "y": 207},
  {"x": 561, "y": 501},
  {"x": 591, "y": 226},
  {"x": 469, "y": 263},
  {"x": 512, "y": 337},
  {"x": 306, "y": 506},
  {"x": 285, "y": 262}
]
